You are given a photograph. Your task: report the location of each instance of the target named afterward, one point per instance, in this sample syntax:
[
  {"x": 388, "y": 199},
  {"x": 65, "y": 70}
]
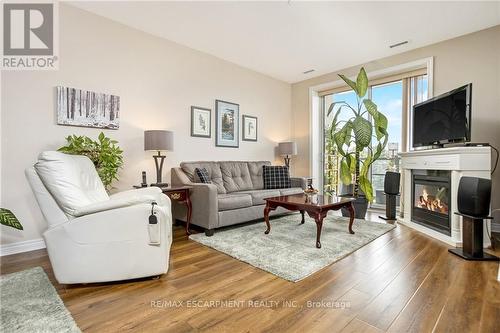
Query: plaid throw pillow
[
  {"x": 276, "y": 177},
  {"x": 202, "y": 174}
]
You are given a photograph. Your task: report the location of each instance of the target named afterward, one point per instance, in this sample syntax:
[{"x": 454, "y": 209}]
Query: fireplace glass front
[{"x": 431, "y": 199}]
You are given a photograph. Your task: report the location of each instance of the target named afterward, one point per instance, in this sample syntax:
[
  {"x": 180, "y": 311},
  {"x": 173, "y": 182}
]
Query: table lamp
[
  {"x": 159, "y": 140},
  {"x": 287, "y": 149}
]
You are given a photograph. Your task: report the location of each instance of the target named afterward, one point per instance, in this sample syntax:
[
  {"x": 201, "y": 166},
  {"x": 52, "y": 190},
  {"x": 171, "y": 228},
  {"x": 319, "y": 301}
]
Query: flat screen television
[{"x": 443, "y": 119}]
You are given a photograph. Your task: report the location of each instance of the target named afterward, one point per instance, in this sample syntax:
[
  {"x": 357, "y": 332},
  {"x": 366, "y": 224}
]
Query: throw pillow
[
  {"x": 276, "y": 177},
  {"x": 202, "y": 174}
]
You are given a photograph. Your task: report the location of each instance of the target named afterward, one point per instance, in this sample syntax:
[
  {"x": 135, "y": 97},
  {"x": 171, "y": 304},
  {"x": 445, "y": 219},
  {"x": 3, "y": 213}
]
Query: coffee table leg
[
  {"x": 266, "y": 218},
  {"x": 319, "y": 225},
  {"x": 303, "y": 220},
  {"x": 351, "y": 217}
]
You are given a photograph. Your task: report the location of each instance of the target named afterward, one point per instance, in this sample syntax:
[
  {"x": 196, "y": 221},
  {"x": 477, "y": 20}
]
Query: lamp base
[
  {"x": 160, "y": 184},
  {"x": 287, "y": 161}
]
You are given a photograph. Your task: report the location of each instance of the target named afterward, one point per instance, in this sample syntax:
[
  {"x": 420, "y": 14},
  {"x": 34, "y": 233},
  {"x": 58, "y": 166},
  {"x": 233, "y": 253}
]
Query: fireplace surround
[{"x": 437, "y": 167}]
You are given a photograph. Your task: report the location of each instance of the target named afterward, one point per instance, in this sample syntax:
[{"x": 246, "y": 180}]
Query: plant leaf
[
  {"x": 9, "y": 219},
  {"x": 345, "y": 173},
  {"x": 366, "y": 165},
  {"x": 362, "y": 82},
  {"x": 350, "y": 83},
  {"x": 366, "y": 187},
  {"x": 362, "y": 132},
  {"x": 370, "y": 107},
  {"x": 341, "y": 137},
  {"x": 379, "y": 120}
]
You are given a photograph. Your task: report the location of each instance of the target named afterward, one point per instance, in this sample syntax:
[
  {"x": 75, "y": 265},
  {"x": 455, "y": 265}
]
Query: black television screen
[{"x": 443, "y": 119}]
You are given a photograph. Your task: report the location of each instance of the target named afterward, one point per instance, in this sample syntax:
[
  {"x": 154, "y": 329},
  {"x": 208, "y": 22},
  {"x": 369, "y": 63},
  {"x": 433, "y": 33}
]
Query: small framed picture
[
  {"x": 201, "y": 122},
  {"x": 227, "y": 124},
  {"x": 249, "y": 128}
]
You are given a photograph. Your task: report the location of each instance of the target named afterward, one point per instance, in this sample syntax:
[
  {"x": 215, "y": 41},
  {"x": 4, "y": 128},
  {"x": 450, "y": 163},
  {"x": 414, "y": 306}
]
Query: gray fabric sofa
[{"x": 235, "y": 195}]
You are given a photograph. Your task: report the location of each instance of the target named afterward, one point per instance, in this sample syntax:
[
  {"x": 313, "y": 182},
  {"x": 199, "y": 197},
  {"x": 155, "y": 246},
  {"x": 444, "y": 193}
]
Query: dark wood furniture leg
[
  {"x": 266, "y": 217},
  {"x": 318, "y": 218},
  {"x": 350, "y": 207},
  {"x": 189, "y": 212},
  {"x": 303, "y": 220}
]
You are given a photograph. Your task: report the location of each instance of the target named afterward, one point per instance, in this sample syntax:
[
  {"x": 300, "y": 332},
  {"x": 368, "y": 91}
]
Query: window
[
  {"x": 389, "y": 99},
  {"x": 395, "y": 97}
]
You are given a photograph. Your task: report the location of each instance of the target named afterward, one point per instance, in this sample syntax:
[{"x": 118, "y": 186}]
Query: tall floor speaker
[
  {"x": 473, "y": 200},
  {"x": 391, "y": 190}
]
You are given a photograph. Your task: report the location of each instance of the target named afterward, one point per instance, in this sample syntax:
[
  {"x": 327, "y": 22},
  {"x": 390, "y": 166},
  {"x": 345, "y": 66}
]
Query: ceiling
[{"x": 284, "y": 39}]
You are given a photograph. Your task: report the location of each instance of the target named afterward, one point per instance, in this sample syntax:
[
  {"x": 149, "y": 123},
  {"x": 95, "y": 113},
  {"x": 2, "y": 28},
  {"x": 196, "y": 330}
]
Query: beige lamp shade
[
  {"x": 287, "y": 148},
  {"x": 158, "y": 140}
]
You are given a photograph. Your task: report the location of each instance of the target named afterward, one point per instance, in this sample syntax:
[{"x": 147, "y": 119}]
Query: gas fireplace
[{"x": 431, "y": 199}]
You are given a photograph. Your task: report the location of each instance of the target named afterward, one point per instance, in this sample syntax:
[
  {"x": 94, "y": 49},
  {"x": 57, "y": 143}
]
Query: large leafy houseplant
[
  {"x": 104, "y": 153},
  {"x": 359, "y": 140}
]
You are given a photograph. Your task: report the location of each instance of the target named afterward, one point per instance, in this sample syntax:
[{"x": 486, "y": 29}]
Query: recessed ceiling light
[
  {"x": 308, "y": 71},
  {"x": 398, "y": 44}
]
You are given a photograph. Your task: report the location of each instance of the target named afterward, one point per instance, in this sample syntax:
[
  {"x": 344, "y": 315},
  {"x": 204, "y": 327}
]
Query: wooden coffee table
[{"x": 316, "y": 206}]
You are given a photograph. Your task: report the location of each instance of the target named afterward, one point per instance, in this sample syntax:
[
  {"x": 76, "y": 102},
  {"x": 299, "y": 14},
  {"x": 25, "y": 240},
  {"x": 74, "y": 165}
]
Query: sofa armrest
[
  {"x": 205, "y": 212},
  {"x": 179, "y": 178},
  {"x": 299, "y": 182}
]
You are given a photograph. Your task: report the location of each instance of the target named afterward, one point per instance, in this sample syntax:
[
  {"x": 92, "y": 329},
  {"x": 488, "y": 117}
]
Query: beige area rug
[
  {"x": 29, "y": 303},
  {"x": 289, "y": 251}
]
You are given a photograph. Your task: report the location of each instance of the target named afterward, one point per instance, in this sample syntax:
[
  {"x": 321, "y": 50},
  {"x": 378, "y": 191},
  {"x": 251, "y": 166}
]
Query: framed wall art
[
  {"x": 227, "y": 124},
  {"x": 249, "y": 128},
  {"x": 201, "y": 122},
  {"x": 77, "y": 107}
]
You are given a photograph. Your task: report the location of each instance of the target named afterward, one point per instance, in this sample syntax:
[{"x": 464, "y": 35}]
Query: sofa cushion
[
  {"x": 259, "y": 195},
  {"x": 276, "y": 177},
  {"x": 72, "y": 180},
  {"x": 213, "y": 169},
  {"x": 291, "y": 191},
  {"x": 255, "y": 169},
  {"x": 236, "y": 176},
  {"x": 234, "y": 201}
]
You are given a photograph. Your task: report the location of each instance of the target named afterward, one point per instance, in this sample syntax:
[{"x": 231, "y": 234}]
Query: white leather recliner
[{"x": 94, "y": 237}]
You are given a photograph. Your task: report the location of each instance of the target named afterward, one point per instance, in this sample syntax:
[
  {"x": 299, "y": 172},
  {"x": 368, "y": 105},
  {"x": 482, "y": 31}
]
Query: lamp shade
[
  {"x": 158, "y": 140},
  {"x": 287, "y": 148}
]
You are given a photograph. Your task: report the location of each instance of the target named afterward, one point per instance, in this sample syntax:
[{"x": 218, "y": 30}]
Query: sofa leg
[{"x": 209, "y": 232}]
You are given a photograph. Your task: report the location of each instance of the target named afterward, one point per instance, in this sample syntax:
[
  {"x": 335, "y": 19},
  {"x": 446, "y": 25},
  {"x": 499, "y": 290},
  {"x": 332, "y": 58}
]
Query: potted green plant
[
  {"x": 104, "y": 153},
  {"x": 359, "y": 140}
]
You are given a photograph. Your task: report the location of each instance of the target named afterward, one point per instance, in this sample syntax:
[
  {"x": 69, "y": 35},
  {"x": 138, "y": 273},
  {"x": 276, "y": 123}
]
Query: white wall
[{"x": 157, "y": 81}]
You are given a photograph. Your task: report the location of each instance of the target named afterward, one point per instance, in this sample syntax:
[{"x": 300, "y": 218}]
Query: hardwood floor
[{"x": 403, "y": 281}]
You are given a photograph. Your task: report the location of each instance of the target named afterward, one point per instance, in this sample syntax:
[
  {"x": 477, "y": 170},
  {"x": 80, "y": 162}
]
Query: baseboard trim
[{"x": 20, "y": 247}]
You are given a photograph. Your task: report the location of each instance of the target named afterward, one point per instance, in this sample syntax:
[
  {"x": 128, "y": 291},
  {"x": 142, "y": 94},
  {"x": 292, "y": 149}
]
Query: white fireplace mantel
[{"x": 461, "y": 161}]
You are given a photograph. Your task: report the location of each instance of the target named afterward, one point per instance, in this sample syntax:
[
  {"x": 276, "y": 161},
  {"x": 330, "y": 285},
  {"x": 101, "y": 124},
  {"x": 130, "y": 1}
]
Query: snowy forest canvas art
[{"x": 76, "y": 107}]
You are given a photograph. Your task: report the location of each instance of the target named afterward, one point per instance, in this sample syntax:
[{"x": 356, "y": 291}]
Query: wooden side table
[{"x": 181, "y": 195}]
